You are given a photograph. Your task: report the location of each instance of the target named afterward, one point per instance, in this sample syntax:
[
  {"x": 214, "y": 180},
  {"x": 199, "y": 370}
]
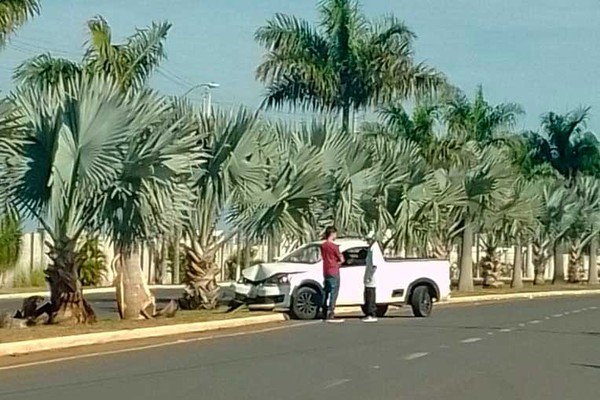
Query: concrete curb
[
  {"x": 524, "y": 295},
  {"x": 492, "y": 298},
  {"x": 64, "y": 342}
]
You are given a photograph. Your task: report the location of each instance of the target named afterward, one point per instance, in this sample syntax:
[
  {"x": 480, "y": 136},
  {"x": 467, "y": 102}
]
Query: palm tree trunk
[
  {"x": 202, "y": 291},
  {"x": 134, "y": 299},
  {"x": 465, "y": 280},
  {"x": 559, "y": 265},
  {"x": 575, "y": 263},
  {"x": 593, "y": 265},
  {"x": 346, "y": 118},
  {"x": 539, "y": 264},
  {"x": 176, "y": 244},
  {"x": 66, "y": 295},
  {"x": 517, "y": 278}
]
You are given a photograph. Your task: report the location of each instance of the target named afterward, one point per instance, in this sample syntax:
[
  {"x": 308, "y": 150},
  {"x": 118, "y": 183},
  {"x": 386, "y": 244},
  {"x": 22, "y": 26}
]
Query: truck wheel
[
  {"x": 381, "y": 310},
  {"x": 306, "y": 303},
  {"x": 421, "y": 302}
]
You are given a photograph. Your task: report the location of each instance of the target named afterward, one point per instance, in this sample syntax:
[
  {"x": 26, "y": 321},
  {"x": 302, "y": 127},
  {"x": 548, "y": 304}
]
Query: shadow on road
[{"x": 586, "y": 365}]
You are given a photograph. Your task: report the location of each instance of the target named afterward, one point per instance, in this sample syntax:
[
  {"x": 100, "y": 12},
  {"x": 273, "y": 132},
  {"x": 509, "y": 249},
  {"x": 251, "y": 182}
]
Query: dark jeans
[
  {"x": 370, "y": 302},
  {"x": 332, "y": 288}
]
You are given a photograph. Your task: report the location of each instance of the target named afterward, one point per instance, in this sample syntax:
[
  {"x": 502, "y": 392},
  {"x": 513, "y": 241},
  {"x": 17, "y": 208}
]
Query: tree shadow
[{"x": 586, "y": 365}]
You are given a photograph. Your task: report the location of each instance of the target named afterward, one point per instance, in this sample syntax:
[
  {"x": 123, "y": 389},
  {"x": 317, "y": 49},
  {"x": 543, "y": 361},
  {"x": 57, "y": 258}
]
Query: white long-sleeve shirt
[{"x": 371, "y": 268}]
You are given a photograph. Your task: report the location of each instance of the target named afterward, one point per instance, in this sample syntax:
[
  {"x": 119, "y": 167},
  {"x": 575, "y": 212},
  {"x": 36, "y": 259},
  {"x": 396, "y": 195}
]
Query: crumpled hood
[{"x": 261, "y": 272}]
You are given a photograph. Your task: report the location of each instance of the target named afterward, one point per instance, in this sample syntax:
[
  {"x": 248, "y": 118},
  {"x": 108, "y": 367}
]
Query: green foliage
[
  {"x": 92, "y": 263},
  {"x": 129, "y": 64},
  {"x": 35, "y": 279},
  {"x": 245, "y": 259},
  {"x": 10, "y": 240},
  {"x": 13, "y": 14}
]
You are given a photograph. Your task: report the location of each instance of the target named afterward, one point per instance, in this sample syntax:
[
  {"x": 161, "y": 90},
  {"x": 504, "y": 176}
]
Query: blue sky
[{"x": 543, "y": 54}]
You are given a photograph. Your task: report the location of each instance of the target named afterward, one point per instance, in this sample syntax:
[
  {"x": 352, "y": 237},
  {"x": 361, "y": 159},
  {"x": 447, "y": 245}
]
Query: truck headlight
[{"x": 278, "y": 280}]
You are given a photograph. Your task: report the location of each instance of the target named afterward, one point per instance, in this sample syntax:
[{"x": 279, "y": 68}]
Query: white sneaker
[{"x": 369, "y": 319}]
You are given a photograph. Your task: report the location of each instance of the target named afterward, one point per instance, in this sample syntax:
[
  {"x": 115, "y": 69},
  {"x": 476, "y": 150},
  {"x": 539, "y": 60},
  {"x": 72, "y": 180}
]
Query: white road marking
[
  {"x": 535, "y": 321},
  {"x": 375, "y": 367},
  {"x": 154, "y": 346},
  {"x": 471, "y": 340},
  {"x": 576, "y": 311},
  {"x": 490, "y": 333},
  {"x": 593, "y": 308},
  {"x": 336, "y": 383},
  {"x": 567, "y": 312},
  {"x": 557, "y": 315},
  {"x": 414, "y": 356},
  {"x": 521, "y": 325},
  {"x": 506, "y": 330},
  {"x": 546, "y": 317}
]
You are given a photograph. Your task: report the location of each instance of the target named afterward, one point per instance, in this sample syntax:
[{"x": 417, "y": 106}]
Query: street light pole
[{"x": 207, "y": 97}]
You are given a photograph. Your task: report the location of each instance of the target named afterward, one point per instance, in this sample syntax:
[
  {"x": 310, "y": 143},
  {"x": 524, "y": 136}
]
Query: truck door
[{"x": 352, "y": 272}]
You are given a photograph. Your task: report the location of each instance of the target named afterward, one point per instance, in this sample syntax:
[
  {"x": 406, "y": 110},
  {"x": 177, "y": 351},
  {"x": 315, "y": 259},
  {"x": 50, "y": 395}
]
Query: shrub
[
  {"x": 10, "y": 241},
  {"x": 37, "y": 278},
  {"x": 92, "y": 263}
]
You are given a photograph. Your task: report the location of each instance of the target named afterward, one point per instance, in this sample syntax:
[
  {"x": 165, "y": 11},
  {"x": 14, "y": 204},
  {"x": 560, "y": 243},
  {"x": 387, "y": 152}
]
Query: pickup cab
[{"x": 295, "y": 283}]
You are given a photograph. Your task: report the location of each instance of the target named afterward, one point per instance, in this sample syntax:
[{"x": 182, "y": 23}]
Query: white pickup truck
[{"x": 295, "y": 282}]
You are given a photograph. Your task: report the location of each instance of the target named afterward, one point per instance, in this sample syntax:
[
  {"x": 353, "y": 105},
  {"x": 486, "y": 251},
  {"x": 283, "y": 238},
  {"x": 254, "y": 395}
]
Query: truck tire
[
  {"x": 306, "y": 303},
  {"x": 381, "y": 310},
  {"x": 421, "y": 302}
]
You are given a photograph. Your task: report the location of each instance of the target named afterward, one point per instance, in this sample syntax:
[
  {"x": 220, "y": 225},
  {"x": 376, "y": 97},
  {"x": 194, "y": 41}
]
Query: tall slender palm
[
  {"x": 13, "y": 14},
  {"x": 477, "y": 119},
  {"x": 343, "y": 63},
  {"x": 130, "y": 63},
  {"x": 566, "y": 144}
]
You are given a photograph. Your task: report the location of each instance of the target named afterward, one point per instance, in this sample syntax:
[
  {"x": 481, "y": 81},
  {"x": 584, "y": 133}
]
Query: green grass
[{"x": 113, "y": 324}]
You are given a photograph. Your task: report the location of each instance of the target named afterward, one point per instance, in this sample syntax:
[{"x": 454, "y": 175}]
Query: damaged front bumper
[{"x": 260, "y": 296}]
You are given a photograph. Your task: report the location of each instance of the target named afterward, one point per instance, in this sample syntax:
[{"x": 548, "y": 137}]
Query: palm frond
[{"x": 13, "y": 14}]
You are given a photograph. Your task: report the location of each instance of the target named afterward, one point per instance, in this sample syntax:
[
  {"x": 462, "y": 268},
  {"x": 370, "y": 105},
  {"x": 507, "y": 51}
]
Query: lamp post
[{"x": 207, "y": 97}]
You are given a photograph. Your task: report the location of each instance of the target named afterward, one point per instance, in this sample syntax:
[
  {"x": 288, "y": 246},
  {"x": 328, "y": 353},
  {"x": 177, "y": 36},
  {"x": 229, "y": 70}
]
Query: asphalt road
[
  {"x": 103, "y": 303},
  {"x": 537, "y": 349}
]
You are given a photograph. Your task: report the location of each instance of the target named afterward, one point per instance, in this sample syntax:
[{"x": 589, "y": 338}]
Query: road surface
[
  {"x": 537, "y": 349},
  {"x": 103, "y": 303}
]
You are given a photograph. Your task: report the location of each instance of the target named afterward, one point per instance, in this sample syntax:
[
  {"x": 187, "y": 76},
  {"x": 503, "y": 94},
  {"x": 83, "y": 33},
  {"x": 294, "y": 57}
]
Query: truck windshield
[{"x": 309, "y": 254}]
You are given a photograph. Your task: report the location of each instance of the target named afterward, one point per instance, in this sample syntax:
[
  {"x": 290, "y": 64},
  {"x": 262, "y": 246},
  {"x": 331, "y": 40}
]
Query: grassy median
[{"x": 113, "y": 324}]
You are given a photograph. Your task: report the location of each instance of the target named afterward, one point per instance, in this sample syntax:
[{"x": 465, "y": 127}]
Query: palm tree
[
  {"x": 478, "y": 120},
  {"x": 151, "y": 194},
  {"x": 565, "y": 144},
  {"x": 130, "y": 63},
  {"x": 345, "y": 63},
  {"x": 586, "y": 224},
  {"x": 232, "y": 171},
  {"x": 86, "y": 149},
  {"x": 570, "y": 149},
  {"x": 557, "y": 214},
  {"x": 13, "y": 14},
  {"x": 485, "y": 182},
  {"x": 512, "y": 222}
]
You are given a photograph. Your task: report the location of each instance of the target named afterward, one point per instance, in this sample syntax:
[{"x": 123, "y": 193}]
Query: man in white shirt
[{"x": 370, "y": 286}]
